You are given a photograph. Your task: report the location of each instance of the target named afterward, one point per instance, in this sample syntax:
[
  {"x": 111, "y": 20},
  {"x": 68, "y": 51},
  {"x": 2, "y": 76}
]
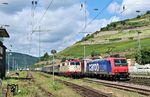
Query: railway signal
[{"x": 53, "y": 51}]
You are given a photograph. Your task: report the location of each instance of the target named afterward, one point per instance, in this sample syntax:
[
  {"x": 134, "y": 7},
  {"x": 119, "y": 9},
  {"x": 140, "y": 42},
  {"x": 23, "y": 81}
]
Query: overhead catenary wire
[
  {"x": 41, "y": 19},
  {"x": 38, "y": 23},
  {"x": 82, "y": 5},
  {"x": 101, "y": 11}
]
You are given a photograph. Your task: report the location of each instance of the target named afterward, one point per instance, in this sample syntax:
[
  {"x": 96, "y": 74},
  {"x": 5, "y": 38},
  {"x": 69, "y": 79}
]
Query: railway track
[
  {"x": 141, "y": 80},
  {"x": 83, "y": 90},
  {"x": 144, "y": 90},
  {"x": 46, "y": 93},
  {"x": 127, "y": 86}
]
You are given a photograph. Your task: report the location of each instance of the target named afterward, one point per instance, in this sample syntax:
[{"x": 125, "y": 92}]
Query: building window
[{"x": 1, "y": 50}]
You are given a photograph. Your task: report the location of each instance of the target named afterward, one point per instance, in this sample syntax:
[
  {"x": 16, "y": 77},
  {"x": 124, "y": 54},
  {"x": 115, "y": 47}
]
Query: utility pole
[
  {"x": 33, "y": 4},
  {"x": 84, "y": 52},
  {"x": 139, "y": 44},
  {"x": 39, "y": 44},
  {"x": 39, "y": 36},
  {"x": 85, "y": 15}
]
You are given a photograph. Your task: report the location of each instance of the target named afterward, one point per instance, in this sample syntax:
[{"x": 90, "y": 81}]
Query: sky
[{"x": 61, "y": 22}]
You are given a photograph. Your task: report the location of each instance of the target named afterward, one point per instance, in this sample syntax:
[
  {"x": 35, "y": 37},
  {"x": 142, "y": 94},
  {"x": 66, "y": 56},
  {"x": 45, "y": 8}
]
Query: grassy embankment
[
  {"x": 31, "y": 89},
  {"x": 27, "y": 89}
]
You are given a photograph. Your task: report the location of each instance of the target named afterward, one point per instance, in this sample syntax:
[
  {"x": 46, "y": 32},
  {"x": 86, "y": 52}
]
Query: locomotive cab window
[
  {"x": 124, "y": 62},
  {"x": 72, "y": 63},
  {"x": 120, "y": 62},
  {"x": 77, "y": 63},
  {"x": 63, "y": 64}
]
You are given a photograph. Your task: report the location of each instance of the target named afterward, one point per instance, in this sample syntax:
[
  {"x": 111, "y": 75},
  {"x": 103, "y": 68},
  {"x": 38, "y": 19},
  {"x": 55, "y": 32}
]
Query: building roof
[
  {"x": 3, "y": 33},
  {"x": 1, "y": 45}
]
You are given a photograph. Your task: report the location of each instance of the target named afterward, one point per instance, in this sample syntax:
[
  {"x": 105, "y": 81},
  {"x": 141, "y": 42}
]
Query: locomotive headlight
[{"x": 116, "y": 70}]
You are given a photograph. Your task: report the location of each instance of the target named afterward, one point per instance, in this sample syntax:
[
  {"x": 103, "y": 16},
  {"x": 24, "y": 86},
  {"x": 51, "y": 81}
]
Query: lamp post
[
  {"x": 9, "y": 54},
  {"x": 53, "y": 52}
]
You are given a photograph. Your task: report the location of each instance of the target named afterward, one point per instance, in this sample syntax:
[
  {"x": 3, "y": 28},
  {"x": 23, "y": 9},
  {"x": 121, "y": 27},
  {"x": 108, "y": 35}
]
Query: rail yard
[
  {"x": 74, "y": 48},
  {"x": 66, "y": 86}
]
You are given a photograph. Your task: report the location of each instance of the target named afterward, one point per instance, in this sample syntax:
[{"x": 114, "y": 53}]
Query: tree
[
  {"x": 143, "y": 56},
  {"x": 45, "y": 57},
  {"x": 148, "y": 12},
  {"x": 138, "y": 16},
  {"x": 63, "y": 59},
  {"x": 113, "y": 25},
  {"x": 123, "y": 23}
]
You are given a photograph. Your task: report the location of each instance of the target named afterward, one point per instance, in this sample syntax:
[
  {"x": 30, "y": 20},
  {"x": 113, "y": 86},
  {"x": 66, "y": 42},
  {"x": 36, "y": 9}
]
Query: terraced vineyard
[
  {"x": 120, "y": 37},
  {"x": 127, "y": 46}
]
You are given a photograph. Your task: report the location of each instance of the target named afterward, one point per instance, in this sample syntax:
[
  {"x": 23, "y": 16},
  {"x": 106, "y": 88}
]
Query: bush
[
  {"x": 94, "y": 53},
  {"x": 115, "y": 39},
  {"x": 104, "y": 29},
  {"x": 138, "y": 16},
  {"x": 143, "y": 56},
  {"x": 63, "y": 59},
  {"x": 131, "y": 38},
  {"x": 113, "y": 25},
  {"x": 123, "y": 23},
  {"x": 88, "y": 37},
  {"x": 148, "y": 12}
]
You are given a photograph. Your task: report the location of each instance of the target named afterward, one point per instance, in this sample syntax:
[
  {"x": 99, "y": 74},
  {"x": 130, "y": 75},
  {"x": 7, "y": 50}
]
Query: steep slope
[
  {"x": 116, "y": 37},
  {"x": 77, "y": 51}
]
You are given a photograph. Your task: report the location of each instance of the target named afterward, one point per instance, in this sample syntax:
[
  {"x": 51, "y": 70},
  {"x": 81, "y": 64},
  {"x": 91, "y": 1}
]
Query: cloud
[
  {"x": 59, "y": 3},
  {"x": 131, "y": 6},
  {"x": 114, "y": 7},
  {"x": 14, "y": 5},
  {"x": 64, "y": 24},
  {"x": 99, "y": 23}
]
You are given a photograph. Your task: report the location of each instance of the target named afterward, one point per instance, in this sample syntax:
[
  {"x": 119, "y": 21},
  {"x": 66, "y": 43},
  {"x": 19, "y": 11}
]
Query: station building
[{"x": 3, "y": 34}]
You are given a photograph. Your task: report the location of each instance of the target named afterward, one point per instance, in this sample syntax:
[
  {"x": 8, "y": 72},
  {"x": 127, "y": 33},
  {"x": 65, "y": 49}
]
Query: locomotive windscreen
[
  {"x": 75, "y": 63},
  {"x": 120, "y": 62}
]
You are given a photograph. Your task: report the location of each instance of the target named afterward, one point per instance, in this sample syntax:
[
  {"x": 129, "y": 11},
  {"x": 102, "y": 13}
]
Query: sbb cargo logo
[{"x": 94, "y": 67}]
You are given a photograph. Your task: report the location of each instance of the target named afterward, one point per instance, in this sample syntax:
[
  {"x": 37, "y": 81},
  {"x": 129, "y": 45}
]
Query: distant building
[{"x": 3, "y": 33}]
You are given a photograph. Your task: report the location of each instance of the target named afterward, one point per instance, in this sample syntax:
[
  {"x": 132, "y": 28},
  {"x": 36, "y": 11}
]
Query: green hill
[
  {"x": 22, "y": 60},
  {"x": 116, "y": 37},
  {"x": 139, "y": 21},
  {"x": 77, "y": 51}
]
